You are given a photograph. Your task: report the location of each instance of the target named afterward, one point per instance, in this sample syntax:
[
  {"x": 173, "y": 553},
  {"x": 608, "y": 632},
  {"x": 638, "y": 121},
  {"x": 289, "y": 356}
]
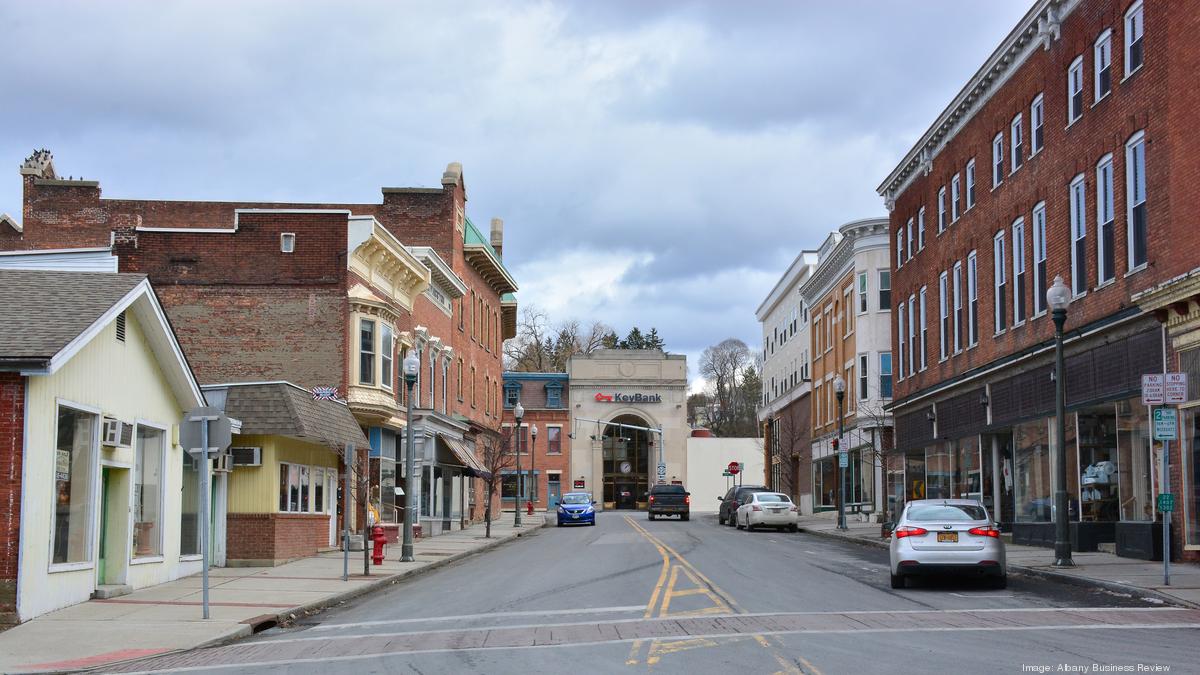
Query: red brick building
[
  {"x": 1069, "y": 154},
  {"x": 332, "y": 295},
  {"x": 546, "y": 455}
]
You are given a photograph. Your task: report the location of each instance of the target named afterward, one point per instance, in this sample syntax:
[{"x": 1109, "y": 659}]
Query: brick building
[
  {"x": 546, "y": 455},
  {"x": 1069, "y": 154},
  {"x": 330, "y": 295}
]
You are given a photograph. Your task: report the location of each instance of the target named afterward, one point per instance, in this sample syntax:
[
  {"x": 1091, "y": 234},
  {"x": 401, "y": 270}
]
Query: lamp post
[
  {"x": 532, "y": 464},
  {"x": 839, "y": 391},
  {"x": 518, "y": 412},
  {"x": 1059, "y": 298},
  {"x": 412, "y": 365}
]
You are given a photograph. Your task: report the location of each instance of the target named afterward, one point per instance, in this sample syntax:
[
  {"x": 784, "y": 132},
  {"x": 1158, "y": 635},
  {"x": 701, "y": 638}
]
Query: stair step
[{"x": 106, "y": 591}]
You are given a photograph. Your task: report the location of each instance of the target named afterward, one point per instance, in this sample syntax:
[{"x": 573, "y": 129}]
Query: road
[{"x": 694, "y": 597}]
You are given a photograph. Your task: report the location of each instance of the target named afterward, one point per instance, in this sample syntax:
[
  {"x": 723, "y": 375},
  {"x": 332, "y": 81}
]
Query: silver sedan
[{"x": 945, "y": 536}]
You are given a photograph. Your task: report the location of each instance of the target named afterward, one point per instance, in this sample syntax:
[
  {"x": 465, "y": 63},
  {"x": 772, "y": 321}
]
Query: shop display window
[
  {"x": 1191, "y": 466},
  {"x": 1098, "y": 459},
  {"x": 914, "y": 469},
  {"x": 73, "y": 471},
  {"x": 825, "y": 481},
  {"x": 147, "y": 492},
  {"x": 938, "y": 476},
  {"x": 968, "y": 471},
  {"x": 1135, "y": 468},
  {"x": 1031, "y": 472}
]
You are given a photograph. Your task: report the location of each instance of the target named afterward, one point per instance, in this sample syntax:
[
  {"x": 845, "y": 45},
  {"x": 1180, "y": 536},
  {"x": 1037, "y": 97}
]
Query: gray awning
[{"x": 284, "y": 409}]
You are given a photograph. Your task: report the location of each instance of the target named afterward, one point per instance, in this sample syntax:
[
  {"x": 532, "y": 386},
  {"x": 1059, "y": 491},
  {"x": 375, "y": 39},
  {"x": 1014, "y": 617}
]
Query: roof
[
  {"x": 284, "y": 409},
  {"x": 41, "y": 312},
  {"x": 480, "y": 254},
  {"x": 522, "y": 375}
]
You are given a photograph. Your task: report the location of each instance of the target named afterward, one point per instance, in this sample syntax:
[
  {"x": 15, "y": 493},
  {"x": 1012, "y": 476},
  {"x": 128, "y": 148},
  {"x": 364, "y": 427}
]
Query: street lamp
[
  {"x": 1059, "y": 298},
  {"x": 412, "y": 365},
  {"x": 532, "y": 464},
  {"x": 518, "y": 412},
  {"x": 839, "y": 391}
]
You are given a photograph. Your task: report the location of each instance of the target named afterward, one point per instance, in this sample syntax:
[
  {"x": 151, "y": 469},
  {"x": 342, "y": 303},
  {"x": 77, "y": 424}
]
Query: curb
[{"x": 1049, "y": 575}]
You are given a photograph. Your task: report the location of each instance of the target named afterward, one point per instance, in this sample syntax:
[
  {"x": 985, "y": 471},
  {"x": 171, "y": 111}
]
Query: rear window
[
  {"x": 945, "y": 512},
  {"x": 668, "y": 489},
  {"x": 772, "y": 498}
]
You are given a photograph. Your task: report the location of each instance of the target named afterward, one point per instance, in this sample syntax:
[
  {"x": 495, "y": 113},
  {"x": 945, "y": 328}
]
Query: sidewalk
[
  {"x": 1139, "y": 578},
  {"x": 166, "y": 617}
]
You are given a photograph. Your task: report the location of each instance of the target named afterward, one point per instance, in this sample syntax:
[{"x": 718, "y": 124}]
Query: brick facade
[
  {"x": 274, "y": 538},
  {"x": 12, "y": 438},
  {"x": 537, "y": 412}
]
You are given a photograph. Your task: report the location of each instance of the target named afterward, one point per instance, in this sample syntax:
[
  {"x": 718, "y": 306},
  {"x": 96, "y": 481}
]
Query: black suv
[{"x": 732, "y": 499}]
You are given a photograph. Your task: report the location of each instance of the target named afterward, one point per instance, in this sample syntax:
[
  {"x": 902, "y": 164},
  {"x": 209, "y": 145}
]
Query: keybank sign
[{"x": 628, "y": 398}]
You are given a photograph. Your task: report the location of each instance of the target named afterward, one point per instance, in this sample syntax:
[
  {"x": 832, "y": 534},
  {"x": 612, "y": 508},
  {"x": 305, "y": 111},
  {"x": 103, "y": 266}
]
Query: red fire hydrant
[
  {"x": 529, "y": 507},
  {"x": 380, "y": 541}
]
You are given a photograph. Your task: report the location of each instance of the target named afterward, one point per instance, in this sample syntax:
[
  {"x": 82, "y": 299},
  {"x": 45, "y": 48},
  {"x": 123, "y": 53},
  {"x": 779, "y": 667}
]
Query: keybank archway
[{"x": 628, "y": 453}]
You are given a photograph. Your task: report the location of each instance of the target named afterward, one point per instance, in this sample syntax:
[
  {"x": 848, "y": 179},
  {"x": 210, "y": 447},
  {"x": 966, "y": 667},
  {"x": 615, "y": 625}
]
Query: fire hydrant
[
  {"x": 529, "y": 507},
  {"x": 380, "y": 542}
]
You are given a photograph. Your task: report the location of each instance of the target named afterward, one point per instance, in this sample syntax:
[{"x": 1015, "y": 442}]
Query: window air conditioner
[
  {"x": 223, "y": 463},
  {"x": 116, "y": 433},
  {"x": 246, "y": 456}
]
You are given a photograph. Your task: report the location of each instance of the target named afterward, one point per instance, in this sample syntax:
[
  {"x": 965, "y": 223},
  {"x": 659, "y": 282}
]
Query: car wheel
[
  {"x": 649, "y": 516},
  {"x": 898, "y": 581},
  {"x": 793, "y": 528},
  {"x": 593, "y": 523},
  {"x": 720, "y": 520},
  {"x": 686, "y": 516},
  {"x": 739, "y": 525},
  {"x": 1000, "y": 582}
]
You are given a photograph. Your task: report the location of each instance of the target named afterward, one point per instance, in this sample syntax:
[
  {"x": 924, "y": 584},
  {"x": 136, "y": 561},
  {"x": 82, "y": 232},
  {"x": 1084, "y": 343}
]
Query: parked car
[
  {"x": 732, "y": 500},
  {"x": 668, "y": 500},
  {"x": 767, "y": 509},
  {"x": 576, "y": 508},
  {"x": 938, "y": 537}
]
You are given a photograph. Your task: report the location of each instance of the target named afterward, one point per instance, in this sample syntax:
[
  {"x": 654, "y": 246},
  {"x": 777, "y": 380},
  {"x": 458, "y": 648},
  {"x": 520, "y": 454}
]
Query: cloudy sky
[{"x": 656, "y": 163}]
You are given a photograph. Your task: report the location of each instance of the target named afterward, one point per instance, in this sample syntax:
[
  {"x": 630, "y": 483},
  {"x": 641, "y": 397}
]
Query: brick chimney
[
  {"x": 498, "y": 236},
  {"x": 39, "y": 165}
]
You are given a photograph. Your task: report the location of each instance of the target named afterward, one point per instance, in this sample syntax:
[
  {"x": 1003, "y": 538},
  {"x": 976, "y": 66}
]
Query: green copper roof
[
  {"x": 473, "y": 237},
  {"x": 508, "y": 297}
]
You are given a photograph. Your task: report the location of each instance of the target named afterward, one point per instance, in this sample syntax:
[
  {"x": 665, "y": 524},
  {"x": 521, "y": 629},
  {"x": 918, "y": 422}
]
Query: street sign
[
  {"x": 662, "y": 471},
  {"x": 220, "y": 433},
  {"x": 843, "y": 460},
  {"x": 1175, "y": 388},
  {"x": 1165, "y": 422},
  {"x": 1166, "y": 502},
  {"x": 1152, "y": 389},
  {"x": 726, "y": 474},
  {"x": 577, "y": 484},
  {"x": 324, "y": 393},
  {"x": 734, "y": 467}
]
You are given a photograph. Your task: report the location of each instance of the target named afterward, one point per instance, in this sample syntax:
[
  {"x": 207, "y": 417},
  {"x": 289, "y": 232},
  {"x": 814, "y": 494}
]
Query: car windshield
[
  {"x": 772, "y": 498},
  {"x": 945, "y": 512},
  {"x": 668, "y": 489},
  {"x": 577, "y": 499}
]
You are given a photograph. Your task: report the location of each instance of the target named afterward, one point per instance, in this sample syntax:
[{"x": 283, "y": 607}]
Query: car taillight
[
  {"x": 910, "y": 531},
  {"x": 985, "y": 532},
  {"x": 756, "y": 507},
  {"x": 651, "y": 499},
  {"x": 687, "y": 499},
  {"x": 793, "y": 508}
]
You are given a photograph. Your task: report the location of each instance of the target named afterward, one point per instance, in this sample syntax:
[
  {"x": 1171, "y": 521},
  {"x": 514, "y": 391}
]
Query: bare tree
[
  {"x": 358, "y": 465},
  {"x": 790, "y": 433},
  {"x": 495, "y": 456},
  {"x": 727, "y": 366},
  {"x": 544, "y": 347}
]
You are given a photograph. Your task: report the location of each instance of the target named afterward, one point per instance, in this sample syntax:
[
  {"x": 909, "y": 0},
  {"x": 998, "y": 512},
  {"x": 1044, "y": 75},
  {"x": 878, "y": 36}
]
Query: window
[
  {"x": 1018, "y": 264},
  {"x": 1102, "y": 62},
  {"x": 74, "y": 461},
  {"x": 1133, "y": 38},
  {"x": 885, "y": 290},
  {"x": 148, "y": 463},
  {"x": 189, "y": 535},
  {"x": 912, "y": 334},
  {"x": 512, "y": 394},
  {"x": 1105, "y": 262},
  {"x": 1075, "y": 90},
  {"x": 999, "y": 264},
  {"x": 900, "y": 335},
  {"x": 1135, "y": 198},
  {"x": 899, "y": 247},
  {"x": 885, "y": 374},
  {"x": 970, "y": 183},
  {"x": 997, "y": 159},
  {"x": 366, "y": 352},
  {"x": 924, "y": 328},
  {"x": 955, "y": 198},
  {"x": 474, "y": 382},
  {"x": 941, "y": 210},
  {"x": 972, "y": 300},
  {"x": 817, "y": 334},
  {"x": 459, "y": 383},
  {"x": 1039, "y": 258},
  {"x": 554, "y": 440},
  {"x": 553, "y": 395},
  {"x": 958, "y": 307},
  {"x": 287, "y": 242},
  {"x": 862, "y": 292},
  {"x": 862, "y": 377},
  {"x": 1078, "y": 237},
  {"x": 921, "y": 229},
  {"x": 386, "y": 346},
  {"x": 1018, "y": 139},
  {"x": 289, "y": 488},
  {"x": 1037, "y": 125},
  {"x": 944, "y": 324},
  {"x": 848, "y": 305},
  {"x": 909, "y": 239}
]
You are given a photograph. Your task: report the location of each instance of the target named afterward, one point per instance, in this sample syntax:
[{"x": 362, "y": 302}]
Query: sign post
[
  {"x": 202, "y": 442},
  {"x": 1165, "y": 420}
]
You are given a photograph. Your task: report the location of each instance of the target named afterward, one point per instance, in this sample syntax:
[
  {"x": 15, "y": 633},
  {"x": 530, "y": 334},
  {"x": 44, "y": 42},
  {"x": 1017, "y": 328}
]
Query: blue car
[{"x": 576, "y": 508}]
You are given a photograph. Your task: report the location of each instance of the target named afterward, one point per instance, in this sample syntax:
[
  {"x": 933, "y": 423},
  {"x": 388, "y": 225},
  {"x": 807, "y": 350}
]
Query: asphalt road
[{"x": 694, "y": 597}]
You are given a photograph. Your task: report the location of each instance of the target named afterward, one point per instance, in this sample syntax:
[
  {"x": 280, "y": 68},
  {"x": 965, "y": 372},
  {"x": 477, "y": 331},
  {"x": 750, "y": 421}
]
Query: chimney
[
  {"x": 453, "y": 174},
  {"x": 498, "y": 236},
  {"x": 39, "y": 165}
]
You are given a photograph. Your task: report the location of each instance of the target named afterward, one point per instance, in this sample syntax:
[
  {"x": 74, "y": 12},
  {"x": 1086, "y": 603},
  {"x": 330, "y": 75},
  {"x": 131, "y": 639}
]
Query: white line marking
[
  {"x": 836, "y": 631},
  {"x": 462, "y": 617}
]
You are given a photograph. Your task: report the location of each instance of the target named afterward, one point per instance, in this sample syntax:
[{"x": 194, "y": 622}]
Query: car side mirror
[
  {"x": 593, "y": 502},
  {"x": 720, "y": 499},
  {"x": 887, "y": 529}
]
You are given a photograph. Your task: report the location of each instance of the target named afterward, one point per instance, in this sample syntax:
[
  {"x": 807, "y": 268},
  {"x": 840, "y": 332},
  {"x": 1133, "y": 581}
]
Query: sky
[{"x": 656, "y": 163}]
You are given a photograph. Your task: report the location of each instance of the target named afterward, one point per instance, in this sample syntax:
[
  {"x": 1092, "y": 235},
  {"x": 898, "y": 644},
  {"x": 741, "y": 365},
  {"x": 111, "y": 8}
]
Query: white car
[
  {"x": 767, "y": 509},
  {"x": 946, "y": 536}
]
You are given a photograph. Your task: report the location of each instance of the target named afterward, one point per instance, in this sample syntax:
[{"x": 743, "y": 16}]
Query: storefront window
[
  {"x": 1098, "y": 459},
  {"x": 825, "y": 481},
  {"x": 914, "y": 468},
  {"x": 304, "y": 489},
  {"x": 968, "y": 472},
  {"x": 73, "y": 459},
  {"x": 1134, "y": 466},
  {"x": 147, "y": 492},
  {"x": 938, "y": 472},
  {"x": 1191, "y": 467},
  {"x": 1031, "y": 472},
  {"x": 189, "y": 534},
  {"x": 1000, "y": 444},
  {"x": 318, "y": 478}
]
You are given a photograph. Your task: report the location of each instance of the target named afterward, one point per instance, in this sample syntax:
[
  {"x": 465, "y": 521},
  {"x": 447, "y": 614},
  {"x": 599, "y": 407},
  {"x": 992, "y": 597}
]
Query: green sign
[
  {"x": 1166, "y": 502},
  {"x": 1165, "y": 422},
  {"x": 726, "y": 474}
]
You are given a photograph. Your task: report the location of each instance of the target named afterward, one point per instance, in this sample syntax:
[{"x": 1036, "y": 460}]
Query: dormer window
[
  {"x": 554, "y": 395},
  {"x": 512, "y": 394}
]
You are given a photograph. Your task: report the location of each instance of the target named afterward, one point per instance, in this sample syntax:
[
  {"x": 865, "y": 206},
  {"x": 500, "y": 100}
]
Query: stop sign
[{"x": 734, "y": 468}]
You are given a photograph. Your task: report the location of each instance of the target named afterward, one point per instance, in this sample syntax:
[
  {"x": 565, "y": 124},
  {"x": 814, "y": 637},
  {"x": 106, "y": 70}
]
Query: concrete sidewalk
[
  {"x": 167, "y": 617},
  {"x": 1137, "y": 578}
]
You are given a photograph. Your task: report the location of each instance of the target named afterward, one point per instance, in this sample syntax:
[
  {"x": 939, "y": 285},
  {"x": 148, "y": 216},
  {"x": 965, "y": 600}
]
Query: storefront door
[
  {"x": 553, "y": 491},
  {"x": 626, "y": 499}
]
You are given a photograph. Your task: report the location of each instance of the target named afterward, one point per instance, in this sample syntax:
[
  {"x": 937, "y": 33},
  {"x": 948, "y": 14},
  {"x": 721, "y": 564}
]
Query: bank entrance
[{"x": 627, "y": 458}]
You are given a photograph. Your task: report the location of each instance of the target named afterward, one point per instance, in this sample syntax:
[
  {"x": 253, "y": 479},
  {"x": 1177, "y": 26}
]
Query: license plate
[
  {"x": 576, "y": 516},
  {"x": 951, "y": 537},
  {"x": 776, "y": 510}
]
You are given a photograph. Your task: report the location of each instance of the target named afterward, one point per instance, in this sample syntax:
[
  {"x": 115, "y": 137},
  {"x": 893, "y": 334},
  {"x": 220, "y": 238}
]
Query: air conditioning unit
[
  {"x": 223, "y": 463},
  {"x": 116, "y": 434},
  {"x": 246, "y": 456}
]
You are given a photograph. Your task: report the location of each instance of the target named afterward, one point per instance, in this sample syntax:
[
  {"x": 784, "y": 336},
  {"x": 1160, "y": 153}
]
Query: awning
[{"x": 464, "y": 456}]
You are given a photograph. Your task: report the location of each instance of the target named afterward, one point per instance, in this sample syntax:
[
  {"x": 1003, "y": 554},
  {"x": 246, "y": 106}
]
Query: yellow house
[{"x": 99, "y": 497}]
